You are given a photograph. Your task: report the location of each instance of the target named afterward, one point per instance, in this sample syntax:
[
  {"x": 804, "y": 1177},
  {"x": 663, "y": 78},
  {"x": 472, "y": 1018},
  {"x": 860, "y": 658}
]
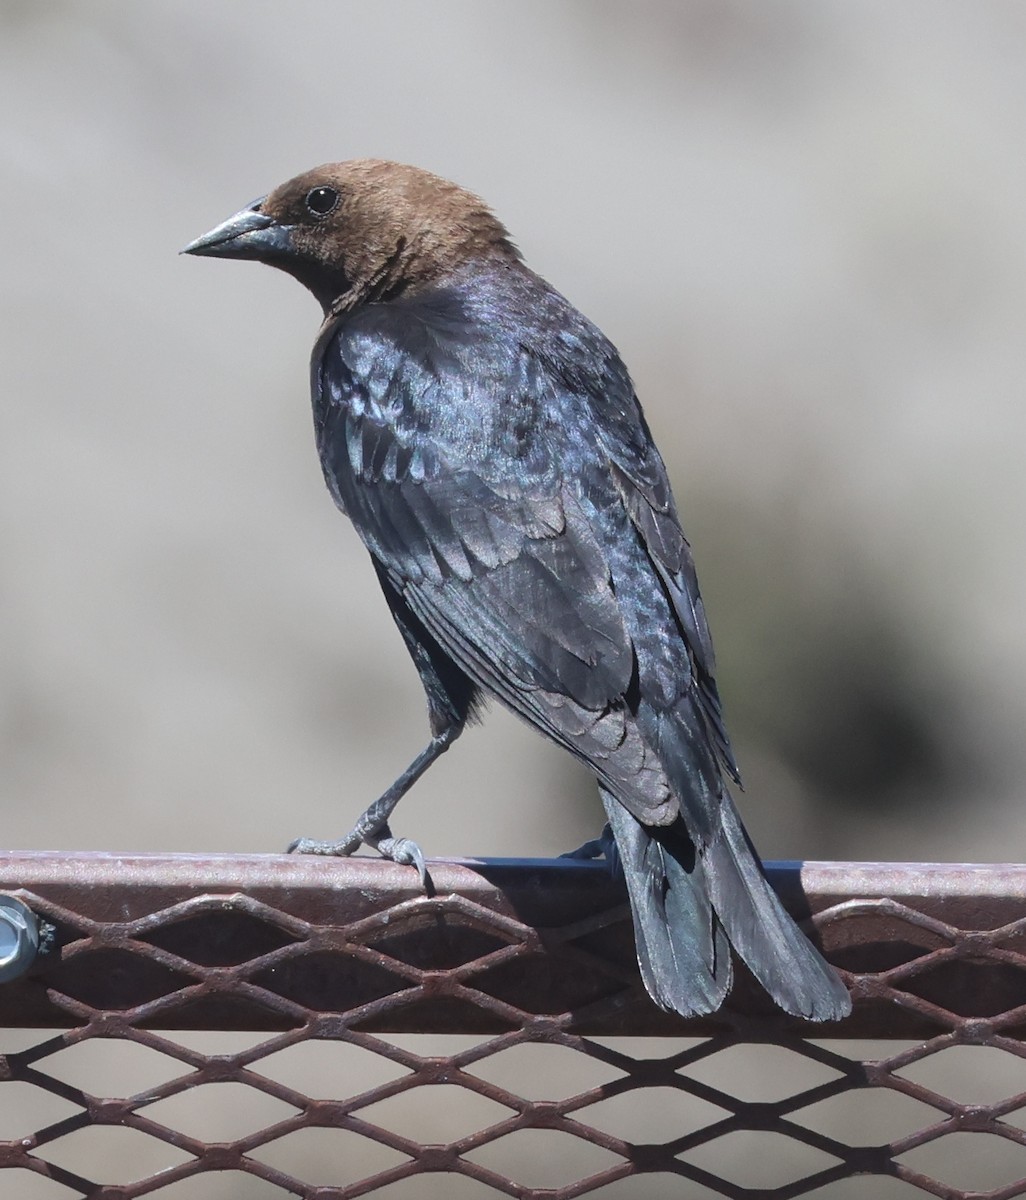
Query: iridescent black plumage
[{"x": 485, "y": 440}]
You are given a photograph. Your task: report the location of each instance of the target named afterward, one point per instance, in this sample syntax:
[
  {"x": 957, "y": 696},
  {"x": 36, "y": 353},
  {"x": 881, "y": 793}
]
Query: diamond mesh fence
[{"x": 262, "y": 1027}]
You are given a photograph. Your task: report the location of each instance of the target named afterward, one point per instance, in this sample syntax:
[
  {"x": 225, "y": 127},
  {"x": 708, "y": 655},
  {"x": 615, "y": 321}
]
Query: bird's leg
[
  {"x": 372, "y": 827},
  {"x": 604, "y": 846}
]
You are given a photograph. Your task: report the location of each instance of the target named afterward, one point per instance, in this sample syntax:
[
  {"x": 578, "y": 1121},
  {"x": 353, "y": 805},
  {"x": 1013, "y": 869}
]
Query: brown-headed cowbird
[{"x": 485, "y": 440}]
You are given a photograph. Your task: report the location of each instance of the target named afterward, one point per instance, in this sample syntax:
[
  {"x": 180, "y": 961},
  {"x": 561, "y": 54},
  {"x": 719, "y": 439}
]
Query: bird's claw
[
  {"x": 604, "y": 846},
  {"x": 339, "y": 849},
  {"x": 406, "y": 853},
  {"x": 590, "y": 850},
  {"x": 600, "y": 847},
  {"x": 397, "y": 849}
]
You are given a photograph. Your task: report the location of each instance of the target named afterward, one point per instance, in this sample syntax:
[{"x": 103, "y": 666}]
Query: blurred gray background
[{"x": 803, "y": 225}]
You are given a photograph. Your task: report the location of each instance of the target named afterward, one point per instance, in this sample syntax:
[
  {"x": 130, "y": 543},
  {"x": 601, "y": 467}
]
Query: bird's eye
[{"x": 321, "y": 200}]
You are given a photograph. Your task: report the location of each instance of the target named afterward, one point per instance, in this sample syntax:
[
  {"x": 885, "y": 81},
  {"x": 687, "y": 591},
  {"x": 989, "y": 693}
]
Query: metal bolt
[{"x": 19, "y": 938}]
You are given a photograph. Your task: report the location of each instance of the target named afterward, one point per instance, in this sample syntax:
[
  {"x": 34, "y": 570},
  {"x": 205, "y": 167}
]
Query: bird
[{"x": 485, "y": 439}]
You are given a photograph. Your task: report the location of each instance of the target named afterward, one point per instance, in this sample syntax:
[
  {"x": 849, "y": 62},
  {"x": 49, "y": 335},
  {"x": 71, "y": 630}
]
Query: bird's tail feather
[
  {"x": 687, "y": 904},
  {"x": 682, "y": 949},
  {"x": 776, "y": 951}
]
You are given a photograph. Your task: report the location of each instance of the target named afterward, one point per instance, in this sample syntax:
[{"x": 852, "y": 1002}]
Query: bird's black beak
[{"x": 249, "y": 234}]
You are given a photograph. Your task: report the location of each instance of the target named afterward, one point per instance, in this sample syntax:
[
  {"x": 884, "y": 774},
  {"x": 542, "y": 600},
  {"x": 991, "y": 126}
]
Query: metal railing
[{"x": 493, "y": 1037}]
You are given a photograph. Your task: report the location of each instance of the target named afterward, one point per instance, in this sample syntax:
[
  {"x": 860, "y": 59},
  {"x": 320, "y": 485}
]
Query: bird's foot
[
  {"x": 398, "y": 850},
  {"x": 599, "y": 847},
  {"x": 604, "y": 846}
]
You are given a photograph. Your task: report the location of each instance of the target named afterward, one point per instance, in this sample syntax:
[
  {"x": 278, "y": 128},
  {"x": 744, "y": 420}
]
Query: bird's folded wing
[{"x": 502, "y": 559}]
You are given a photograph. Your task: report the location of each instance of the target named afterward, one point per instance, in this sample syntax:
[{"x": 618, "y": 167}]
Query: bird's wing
[
  {"x": 643, "y": 485},
  {"x": 638, "y": 474},
  {"x": 492, "y": 551}
]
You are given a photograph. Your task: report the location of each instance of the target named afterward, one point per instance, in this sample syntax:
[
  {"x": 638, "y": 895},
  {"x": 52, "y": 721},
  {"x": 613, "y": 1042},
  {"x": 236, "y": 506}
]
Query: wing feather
[{"x": 503, "y": 550}]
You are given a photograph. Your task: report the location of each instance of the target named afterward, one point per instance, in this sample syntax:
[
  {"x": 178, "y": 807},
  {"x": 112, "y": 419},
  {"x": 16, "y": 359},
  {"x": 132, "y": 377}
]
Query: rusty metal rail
[{"x": 510, "y": 955}]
